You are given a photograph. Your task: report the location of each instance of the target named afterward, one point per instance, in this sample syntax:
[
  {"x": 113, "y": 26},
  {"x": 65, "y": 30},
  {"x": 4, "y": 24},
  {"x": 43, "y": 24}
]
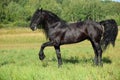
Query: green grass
[{"x": 19, "y": 59}]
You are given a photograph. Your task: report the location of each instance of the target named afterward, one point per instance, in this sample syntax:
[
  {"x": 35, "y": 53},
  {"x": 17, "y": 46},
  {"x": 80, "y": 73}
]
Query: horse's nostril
[{"x": 33, "y": 27}]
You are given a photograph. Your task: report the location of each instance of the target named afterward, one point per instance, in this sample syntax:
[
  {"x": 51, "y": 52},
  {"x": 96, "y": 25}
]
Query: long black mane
[{"x": 50, "y": 16}]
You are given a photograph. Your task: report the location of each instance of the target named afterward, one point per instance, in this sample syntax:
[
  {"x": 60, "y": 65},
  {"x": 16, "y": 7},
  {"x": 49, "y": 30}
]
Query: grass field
[{"x": 19, "y": 59}]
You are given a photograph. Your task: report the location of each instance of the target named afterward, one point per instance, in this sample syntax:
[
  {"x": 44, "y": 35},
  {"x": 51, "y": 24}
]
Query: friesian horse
[{"x": 59, "y": 32}]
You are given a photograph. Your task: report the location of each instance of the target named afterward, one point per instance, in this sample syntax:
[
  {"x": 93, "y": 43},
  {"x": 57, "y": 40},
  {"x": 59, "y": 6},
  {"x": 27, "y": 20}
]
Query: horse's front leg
[
  {"x": 57, "y": 48},
  {"x": 41, "y": 53}
]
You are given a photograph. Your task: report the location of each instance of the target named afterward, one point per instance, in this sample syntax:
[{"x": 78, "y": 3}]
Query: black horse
[{"x": 59, "y": 32}]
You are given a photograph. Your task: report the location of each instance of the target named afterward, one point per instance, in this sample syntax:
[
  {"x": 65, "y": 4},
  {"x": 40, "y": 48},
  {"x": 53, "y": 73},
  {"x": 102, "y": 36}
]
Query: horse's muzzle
[{"x": 33, "y": 27}]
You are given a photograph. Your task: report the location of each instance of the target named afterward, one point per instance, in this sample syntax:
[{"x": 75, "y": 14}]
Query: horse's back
[{"x": 94, "y": 30}]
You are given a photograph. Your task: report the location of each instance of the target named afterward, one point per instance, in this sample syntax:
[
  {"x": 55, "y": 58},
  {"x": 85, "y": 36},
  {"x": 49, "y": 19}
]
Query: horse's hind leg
[
  {"x": 41, "y": 53},
  {"x": 98, "y": 53},
  {"x": 57, "y": 48}
]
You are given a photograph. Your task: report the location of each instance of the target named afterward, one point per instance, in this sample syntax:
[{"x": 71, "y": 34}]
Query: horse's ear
[
  {"x": 37, "y": 9},
  {"x": 41, "y": 9}
]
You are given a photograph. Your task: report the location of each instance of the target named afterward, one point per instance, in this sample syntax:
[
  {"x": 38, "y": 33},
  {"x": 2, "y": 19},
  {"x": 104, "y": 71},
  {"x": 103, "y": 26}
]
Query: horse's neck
[
  {"x": 54, "y": 25},
  {"x": 49, "y": 27}
]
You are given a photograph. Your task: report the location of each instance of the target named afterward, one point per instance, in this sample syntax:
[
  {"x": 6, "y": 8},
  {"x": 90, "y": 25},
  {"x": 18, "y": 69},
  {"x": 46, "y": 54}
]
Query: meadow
[{"x": 19, "y": 59}]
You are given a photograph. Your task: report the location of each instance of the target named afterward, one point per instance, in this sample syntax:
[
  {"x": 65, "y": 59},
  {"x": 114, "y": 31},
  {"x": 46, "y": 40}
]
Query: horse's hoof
[
  {"x": 101, "y": 64},
  {"x": 59, "y": 66},
  {"x": 97, "y": 65},
  {"x": 94, "y": 65},
  {"x": 41, "y": 57}
]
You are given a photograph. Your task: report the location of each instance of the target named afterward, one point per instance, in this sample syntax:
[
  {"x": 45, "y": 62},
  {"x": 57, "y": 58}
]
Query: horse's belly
[{"x": 73, "y": 38}]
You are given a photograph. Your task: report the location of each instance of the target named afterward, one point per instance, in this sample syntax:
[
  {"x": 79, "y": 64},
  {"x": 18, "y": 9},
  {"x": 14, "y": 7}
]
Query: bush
[{"x": 21, "y": 24}]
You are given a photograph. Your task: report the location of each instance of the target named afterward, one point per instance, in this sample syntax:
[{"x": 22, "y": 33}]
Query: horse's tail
[{"x": 110, "y": 33}]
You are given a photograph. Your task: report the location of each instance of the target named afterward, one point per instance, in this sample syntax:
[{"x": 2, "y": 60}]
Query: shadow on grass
[
  {"x": 6, "y": 63},
  {"x": 74, "y": 60},
  {"x": 106, "y": 60}
]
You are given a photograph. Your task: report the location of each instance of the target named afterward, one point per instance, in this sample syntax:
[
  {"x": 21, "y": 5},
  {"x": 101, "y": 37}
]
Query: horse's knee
[{"x": 41, "y": 56}]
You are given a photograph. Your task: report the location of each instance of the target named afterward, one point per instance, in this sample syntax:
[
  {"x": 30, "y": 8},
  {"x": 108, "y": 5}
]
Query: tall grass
[{"x": 19, "y": 59}]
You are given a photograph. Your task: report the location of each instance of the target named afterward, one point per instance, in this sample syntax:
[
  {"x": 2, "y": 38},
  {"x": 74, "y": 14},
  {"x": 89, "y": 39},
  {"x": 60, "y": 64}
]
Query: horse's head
[
  {"x": 36, "y": 19},
  {"x": 44, "y": 18}
]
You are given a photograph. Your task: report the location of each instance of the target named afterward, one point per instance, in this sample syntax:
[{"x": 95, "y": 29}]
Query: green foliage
[{"x": 14, "y": 11}]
